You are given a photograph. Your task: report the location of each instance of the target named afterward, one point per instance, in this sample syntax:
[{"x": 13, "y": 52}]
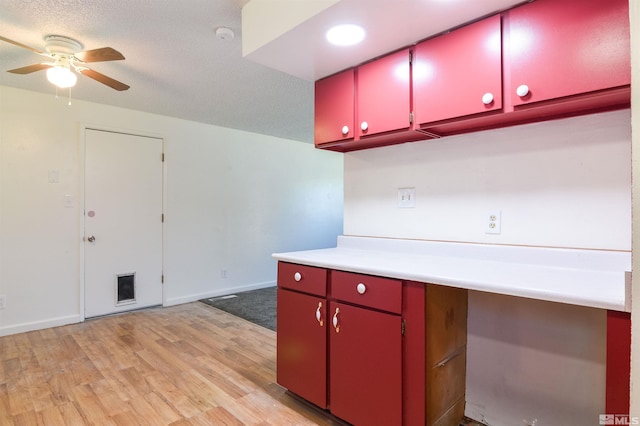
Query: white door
[{"x": 123, "y": 222}]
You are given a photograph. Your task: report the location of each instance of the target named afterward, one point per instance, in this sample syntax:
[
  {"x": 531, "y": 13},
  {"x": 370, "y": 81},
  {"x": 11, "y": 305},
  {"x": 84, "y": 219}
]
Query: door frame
[{"x": 81, "y": 200}]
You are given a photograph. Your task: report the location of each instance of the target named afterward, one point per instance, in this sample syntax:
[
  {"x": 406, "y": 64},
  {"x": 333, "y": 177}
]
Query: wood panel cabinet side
[{"x": 446, "y": 346}]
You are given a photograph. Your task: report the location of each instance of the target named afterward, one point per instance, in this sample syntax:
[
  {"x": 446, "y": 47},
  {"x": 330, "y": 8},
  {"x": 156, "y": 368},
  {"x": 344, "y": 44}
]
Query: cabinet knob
[
  {"x": 364, "y": 126},
  {"x": 345, "y": 130},
  {"x": 361, "y": 288},
  {"x": 487, "y": 98},
  {"x": 297, "y": 276},
  {"x": 522, "y": 90}
]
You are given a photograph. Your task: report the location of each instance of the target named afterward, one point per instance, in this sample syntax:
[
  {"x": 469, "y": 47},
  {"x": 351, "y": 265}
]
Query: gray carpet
[{"x": 257, "y": 306}]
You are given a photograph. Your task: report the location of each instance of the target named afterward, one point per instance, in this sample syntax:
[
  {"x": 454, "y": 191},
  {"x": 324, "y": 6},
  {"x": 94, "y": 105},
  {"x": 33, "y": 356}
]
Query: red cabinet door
[
  {"x": 459, "y": 73},
  {"x": 302, "y": 345},
  {"x": 561, "y": 48},
  {"x": 334, "y": 108},
  {"x": 365, "y": 365},
  {"x": 383, "y": 95}
]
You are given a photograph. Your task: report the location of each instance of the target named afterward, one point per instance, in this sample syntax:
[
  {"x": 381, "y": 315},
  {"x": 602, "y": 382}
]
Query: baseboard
[
  {"x": 218, "y": 292},
  {"x": 39, "y": 325},
  {"x": 73, "y": 319}
]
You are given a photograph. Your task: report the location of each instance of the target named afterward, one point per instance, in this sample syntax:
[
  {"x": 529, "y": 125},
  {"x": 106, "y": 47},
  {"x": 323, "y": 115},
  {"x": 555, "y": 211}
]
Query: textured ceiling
[
  {"x": 174, "y": 63},
  {"x": 177, "y": 67}
]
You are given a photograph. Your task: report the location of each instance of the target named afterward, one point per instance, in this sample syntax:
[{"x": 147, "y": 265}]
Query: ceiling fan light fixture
[{"x": 61, "y": 76}]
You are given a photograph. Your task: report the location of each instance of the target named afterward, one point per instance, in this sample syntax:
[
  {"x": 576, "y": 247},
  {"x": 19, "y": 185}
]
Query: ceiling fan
[{"x": 66, "y": 56}]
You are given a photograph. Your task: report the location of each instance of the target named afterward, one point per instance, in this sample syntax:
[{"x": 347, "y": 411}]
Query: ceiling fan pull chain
[{"x": 69, "y": 96}]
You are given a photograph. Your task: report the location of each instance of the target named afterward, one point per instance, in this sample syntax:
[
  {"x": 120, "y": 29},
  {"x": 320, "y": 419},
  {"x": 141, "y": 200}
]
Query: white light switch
[
  {"x": 68, "y": 200},
  {"x": 406, "y": 198}
]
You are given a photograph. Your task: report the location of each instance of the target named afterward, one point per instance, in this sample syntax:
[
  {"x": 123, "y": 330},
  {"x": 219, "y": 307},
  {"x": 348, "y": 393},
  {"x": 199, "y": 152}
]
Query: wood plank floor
[{"x": 183, "y": 365}]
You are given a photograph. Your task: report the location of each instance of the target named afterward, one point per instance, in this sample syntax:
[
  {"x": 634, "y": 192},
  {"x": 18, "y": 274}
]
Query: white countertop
[{"x": 594, "y": 278}]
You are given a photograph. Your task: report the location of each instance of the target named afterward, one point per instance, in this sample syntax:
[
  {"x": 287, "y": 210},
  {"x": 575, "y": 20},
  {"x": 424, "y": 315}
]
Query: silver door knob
[{"x": 91, "y": 239}]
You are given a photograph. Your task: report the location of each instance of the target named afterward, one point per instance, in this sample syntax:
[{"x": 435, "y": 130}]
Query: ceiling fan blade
[
  {"x": 24, "y": 46},
  {"x": 99, "y": 55},
  {"x": 114, "y": 84},
  {"x": 30, "y": 68}
]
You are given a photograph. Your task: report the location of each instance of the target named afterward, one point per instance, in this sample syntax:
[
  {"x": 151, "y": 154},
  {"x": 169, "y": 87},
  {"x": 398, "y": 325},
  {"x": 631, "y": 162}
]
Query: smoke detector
[{"x": 224, "y": 33}]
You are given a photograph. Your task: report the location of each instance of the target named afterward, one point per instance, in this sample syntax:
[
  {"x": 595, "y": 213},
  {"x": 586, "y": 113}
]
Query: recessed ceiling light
[{"x": 345, "y": 35}]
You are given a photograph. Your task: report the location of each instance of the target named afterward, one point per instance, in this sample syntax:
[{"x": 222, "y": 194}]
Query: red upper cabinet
[
  {"x": 540, "y": 60},
  {"x": 383, "y": 95},
  {"x": 459, "y": 73},
  {"x": 364, "y": 106},
  {"x": 334, "y": 108},
  {"x": 562, "y": 48}
]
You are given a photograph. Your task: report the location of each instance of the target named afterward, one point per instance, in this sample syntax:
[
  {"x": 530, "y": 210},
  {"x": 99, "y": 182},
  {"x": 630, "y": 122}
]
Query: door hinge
[
  {"x": 410, "y": 57},
  {"x": 411, "y": 117},
  {"x": 162, "y": 217},
  {"x": 403, "y": 327},
  {"x": 163, "y": 157},
  {"x": 162, "y": 279}
]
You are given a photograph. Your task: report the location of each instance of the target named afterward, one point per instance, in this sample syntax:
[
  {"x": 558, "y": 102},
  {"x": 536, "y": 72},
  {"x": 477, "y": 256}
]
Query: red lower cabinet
[
  {"x": 365, "y": 372},
  {"x": 618, "y": 362},
  {"x": 382, "y": 352},
  {"x": 302, "y": 345}
]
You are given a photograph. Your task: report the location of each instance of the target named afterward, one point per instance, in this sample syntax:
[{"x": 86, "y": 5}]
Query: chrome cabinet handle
[
  {"x": 297, "y": 276},
  {"x": 319, "y": 315},
  {"x": 336, "y": 326},
  {"x": 91, "y": 239}
]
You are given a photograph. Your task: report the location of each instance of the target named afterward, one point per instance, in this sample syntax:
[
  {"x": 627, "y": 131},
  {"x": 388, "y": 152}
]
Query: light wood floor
[{"x": 184, "y": 365}]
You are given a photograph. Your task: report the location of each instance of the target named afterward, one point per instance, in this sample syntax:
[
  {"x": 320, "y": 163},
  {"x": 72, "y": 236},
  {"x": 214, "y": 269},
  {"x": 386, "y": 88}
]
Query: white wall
[
  {"x": 233, "y": 198},
  {"x": 563, "y": 183}
]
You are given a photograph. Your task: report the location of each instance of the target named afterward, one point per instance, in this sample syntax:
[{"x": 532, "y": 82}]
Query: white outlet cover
[
  {"x": 493, "y": 222},
  {"x": 406, "y": 198}
]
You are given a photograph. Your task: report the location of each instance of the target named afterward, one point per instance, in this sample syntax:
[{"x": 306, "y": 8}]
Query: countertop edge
[{"x": 596, "y": 288}]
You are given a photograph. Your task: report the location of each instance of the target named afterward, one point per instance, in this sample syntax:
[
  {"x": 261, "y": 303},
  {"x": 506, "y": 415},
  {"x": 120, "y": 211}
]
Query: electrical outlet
[
  {"x": 406, "y": 198},
  {"x": 3, "y": 301},
  {"x": 493, "y": 222}
]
